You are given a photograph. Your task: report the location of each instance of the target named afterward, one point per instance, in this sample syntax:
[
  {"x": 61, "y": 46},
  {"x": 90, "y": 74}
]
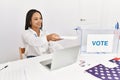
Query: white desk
[{"x": 31, "y": 69}]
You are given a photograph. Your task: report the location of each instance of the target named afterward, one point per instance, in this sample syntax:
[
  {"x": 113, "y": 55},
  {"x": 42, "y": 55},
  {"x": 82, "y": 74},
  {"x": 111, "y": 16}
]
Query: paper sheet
[{"x": 69, "y": 37}]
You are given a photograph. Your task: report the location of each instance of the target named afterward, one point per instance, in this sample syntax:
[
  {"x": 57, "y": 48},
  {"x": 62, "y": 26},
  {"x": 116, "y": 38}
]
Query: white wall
[
  {"x": 110, "y": 13},
  {"x": 90, "y": 12},
  {"x": 100, "y": 14},
  {"x": 60, "y": 16}
]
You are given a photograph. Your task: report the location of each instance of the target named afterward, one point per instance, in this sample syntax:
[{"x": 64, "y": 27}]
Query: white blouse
[{"x": 37, "y": 45}]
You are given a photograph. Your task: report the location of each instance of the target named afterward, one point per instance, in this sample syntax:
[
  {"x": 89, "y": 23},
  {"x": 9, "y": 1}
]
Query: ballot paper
[
  {"x": 69, "y": 37},
  {"x": 12, "y": 72}
]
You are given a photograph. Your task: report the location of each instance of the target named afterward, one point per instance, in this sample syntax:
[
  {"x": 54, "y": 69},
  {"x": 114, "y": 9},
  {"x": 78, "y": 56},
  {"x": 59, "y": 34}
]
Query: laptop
[{"x": 62, "y": 58}]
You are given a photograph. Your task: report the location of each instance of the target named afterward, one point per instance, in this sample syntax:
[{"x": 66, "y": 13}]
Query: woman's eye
[{"x": 36, "y": 19}]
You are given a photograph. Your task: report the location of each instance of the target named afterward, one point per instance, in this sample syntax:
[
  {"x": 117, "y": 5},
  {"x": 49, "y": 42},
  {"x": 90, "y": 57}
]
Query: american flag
[
  {"x": 117, "y": 30},
  {"x": 106, "y": 73}
]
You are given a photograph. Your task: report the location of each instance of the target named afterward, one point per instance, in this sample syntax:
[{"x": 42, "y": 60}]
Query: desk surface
[{"x": 31, "y": 69}]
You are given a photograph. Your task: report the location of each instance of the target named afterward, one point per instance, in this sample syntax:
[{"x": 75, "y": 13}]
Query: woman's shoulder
[{"x": 26, "y": 32}]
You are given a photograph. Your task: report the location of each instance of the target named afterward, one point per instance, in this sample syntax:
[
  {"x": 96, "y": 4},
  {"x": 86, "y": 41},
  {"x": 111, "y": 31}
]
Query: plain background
[{"x": 60, "y": 16}]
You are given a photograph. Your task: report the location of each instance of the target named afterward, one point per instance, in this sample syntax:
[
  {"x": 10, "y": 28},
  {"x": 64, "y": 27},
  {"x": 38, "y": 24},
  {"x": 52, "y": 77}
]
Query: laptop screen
[{"x": 62, "y": 58}]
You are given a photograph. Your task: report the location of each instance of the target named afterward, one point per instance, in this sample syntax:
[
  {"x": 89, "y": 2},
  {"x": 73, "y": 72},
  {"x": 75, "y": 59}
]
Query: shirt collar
[
  {"x": 32, "y": 31},
  {"x": 35, "y": 32}
]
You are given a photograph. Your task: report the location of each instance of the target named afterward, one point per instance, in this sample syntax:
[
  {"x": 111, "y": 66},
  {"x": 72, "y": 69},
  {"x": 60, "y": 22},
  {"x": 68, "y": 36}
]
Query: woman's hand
[{"x": 53, "y": 37}]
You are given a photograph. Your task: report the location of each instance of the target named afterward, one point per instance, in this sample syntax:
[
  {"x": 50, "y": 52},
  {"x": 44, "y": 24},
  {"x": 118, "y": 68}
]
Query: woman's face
[{"x": 36, "y": 20}]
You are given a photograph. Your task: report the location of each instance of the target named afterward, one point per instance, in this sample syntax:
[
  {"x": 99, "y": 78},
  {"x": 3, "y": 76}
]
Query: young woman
[{"x": 34, "y": 40}]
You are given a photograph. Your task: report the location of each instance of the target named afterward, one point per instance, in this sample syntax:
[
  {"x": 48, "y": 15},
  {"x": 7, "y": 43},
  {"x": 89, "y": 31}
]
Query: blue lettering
[
  {"x": 93, "y": 42},
  {"x": 97, "y": 43},
  {"x": 106, "y": 43},
  {"x": 100, "y": 43}
]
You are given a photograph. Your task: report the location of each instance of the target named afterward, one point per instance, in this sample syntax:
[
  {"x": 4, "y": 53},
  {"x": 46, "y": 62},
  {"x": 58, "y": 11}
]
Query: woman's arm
[{"x": 53, "y": 37}]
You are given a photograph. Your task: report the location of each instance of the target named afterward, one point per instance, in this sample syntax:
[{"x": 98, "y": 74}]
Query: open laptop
[{"x": 62, "y": 58}]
